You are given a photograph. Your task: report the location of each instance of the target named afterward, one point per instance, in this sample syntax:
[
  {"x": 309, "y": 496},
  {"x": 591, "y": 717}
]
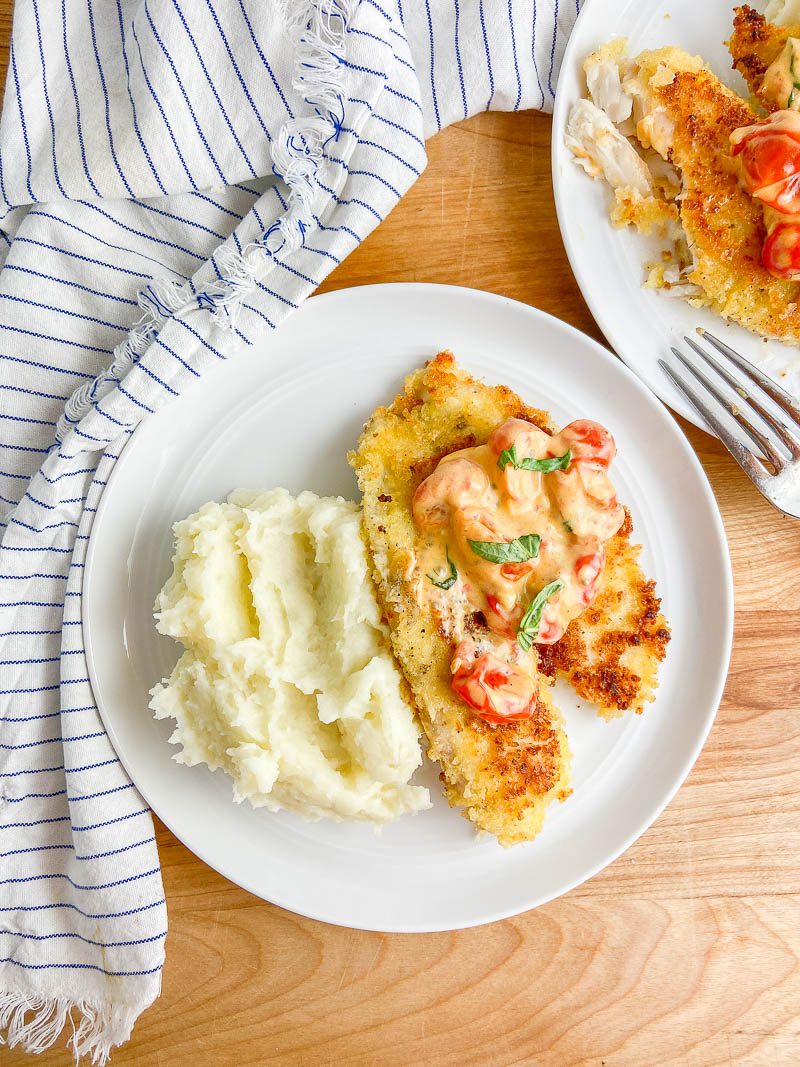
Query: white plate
[
  {"x": 286, "y": 415},
  {"x": 642, "y": 324}
]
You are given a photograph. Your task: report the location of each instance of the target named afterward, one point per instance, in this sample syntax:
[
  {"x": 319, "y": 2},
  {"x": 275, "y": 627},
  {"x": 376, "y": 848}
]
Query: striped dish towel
[{"x": 175, "y": 178}]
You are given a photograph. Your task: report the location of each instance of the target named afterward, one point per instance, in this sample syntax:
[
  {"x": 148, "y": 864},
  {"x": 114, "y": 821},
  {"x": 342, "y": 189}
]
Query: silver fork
[{"x": 774, "y": 468}]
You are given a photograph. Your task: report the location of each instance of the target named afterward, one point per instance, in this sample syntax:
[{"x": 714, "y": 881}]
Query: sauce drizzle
[{"x": 545, "y": 531}]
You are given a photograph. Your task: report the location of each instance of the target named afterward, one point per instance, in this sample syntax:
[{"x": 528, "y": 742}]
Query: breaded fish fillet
[
  {"x": 502, "y": 776},
  {"x": 685, "y": 112},
  {"x": 754, "y": 45}
]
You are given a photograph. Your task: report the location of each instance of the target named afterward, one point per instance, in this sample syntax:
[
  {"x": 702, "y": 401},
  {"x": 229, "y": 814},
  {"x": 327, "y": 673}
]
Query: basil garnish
[
  {"x": 519, "y": 550},
  {"x": 567, "y": 524},
  {"x": 528, "y": 463},
  {"x": 450, "y": 580},
  {"x": 529, "y": 625}
]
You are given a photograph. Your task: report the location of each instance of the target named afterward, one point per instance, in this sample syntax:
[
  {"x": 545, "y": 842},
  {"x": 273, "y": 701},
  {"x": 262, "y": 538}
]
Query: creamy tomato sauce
[
  {"x": 508, "y": 556},
  {"x": 781, "y": 83}
]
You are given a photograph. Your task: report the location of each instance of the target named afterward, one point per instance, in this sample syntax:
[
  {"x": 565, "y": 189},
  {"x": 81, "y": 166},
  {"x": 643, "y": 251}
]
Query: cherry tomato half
[
  {"x": 769, "y": 157},
  {"x": 497, "y": 691},
  {"x": 525, "y": 435},
  {"x": 589, "y": 442},
  {"x": 781, "y": 252}
]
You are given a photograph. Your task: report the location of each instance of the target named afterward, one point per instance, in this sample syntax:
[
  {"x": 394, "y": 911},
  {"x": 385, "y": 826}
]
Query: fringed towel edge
[{"x": 100, "y": 1027}]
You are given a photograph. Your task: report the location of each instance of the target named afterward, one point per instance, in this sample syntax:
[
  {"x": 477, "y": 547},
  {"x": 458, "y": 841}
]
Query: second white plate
[
  {"x": 608, "y": 263},
  {"x": 286, "y": 414}
]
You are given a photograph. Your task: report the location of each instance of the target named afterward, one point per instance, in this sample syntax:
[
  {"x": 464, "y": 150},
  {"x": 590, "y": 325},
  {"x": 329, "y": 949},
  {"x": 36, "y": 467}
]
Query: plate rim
[{"x": 690, "y": 757}]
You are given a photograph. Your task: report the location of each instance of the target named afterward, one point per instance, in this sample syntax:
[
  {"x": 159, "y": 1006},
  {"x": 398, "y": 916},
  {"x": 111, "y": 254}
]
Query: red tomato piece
[
  {"x": 781, "y": 252},
  {"x": 550, "y": 630},
  {"x": 783, "y": 196},
  {"x": 514, "y": 571},
  {"x": 588, "y": 570},
  {"x": 500, "y": 620},
  {"x": 767, "y": 156},
  {"x": 497, "y": 691},
  {"x": 525, "y": 435},
  {"x": 592, "y": 442}
]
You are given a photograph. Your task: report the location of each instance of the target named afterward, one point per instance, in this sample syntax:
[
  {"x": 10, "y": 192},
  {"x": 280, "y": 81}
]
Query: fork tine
[
  {"x": 743, "y": 456},
  {"x": 770, "y": 387},
  {"x": 780, "y": 428},
  {"x": 777, "y": 461}
]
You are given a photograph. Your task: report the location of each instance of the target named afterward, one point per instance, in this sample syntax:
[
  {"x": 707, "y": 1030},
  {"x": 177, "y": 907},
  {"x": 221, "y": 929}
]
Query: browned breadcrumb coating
[
  {"x": 502, "y": 777},
  {"x": 724, "y": 225},
  {"x": 754, "y": 45},
  {"x": 611, "y": 653}
]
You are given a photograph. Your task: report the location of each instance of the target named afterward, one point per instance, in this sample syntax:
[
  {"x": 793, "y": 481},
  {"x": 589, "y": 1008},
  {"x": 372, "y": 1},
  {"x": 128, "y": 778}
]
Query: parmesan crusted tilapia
[
  {"x": 504, "y": 776},
  {"x": 683, "y": 113}
]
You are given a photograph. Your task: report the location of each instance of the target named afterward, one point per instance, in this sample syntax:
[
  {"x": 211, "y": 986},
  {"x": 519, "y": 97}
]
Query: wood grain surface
[{"x": 683, "y": 951}]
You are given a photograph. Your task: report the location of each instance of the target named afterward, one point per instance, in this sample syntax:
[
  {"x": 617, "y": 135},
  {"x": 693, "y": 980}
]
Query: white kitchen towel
[{"x": 175, "y": 178}]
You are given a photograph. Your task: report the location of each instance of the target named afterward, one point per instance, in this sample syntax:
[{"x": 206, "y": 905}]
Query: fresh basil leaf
[
  {"x": 556, "y": 463},
  {"x": 528, "y": 463},
  {"x": 519, "y": 550},
  {"x": 508, "y": 455},
  {"x": 530, "y": 545},
  {"x": 451, "y": 578},
  {"x": 529, "y": 624}
]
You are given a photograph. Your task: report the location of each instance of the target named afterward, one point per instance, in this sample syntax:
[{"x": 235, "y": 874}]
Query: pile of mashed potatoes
[{"x": 287, "y": 681}]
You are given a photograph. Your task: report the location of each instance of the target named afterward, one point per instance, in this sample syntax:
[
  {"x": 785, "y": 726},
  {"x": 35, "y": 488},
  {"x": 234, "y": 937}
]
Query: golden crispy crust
[
  {"x": 754, "y": 45},
  {"x": 503, "y": 777},
  {"x": 723, "y": 224},
  {"x": 610, "y": 655}
]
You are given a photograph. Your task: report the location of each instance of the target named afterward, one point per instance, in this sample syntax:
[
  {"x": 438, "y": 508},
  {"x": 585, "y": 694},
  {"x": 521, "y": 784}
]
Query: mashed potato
[{"x": 287, "y": 681}]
